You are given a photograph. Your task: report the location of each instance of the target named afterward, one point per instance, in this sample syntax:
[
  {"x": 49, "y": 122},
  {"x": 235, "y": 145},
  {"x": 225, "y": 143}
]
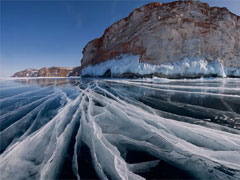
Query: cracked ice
[{"x": 120, "y": 129}]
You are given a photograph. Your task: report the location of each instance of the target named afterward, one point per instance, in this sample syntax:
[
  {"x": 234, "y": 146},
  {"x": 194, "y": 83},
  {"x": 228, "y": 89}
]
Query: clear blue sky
[{"x": 37, "y": 34}]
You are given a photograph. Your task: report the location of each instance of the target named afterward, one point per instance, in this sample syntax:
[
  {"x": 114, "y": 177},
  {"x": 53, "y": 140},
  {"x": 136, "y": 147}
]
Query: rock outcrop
[
  {"x": 167, "y": 33},
  {"x": 27, "y": 73},
  {"x": 45, "y": 72},
  {"x": 76, "y": 71}
]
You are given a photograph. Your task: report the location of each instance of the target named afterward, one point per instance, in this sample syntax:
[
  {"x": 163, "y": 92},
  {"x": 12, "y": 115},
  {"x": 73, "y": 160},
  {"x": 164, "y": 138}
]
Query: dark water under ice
[{"x": 119, "y": 129}]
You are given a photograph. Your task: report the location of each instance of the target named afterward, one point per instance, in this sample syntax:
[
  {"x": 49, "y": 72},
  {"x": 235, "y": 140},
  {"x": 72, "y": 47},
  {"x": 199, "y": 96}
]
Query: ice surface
[
  {"x": 191, "y": 125},
  {"x": 186, "y": 67}
]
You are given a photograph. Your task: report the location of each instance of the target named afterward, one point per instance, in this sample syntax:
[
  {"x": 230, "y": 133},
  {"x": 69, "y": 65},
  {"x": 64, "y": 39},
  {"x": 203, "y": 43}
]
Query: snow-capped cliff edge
[{"x": 182, "y": 38}]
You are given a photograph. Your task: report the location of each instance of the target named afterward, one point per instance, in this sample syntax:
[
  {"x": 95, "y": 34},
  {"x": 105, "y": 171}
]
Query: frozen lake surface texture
[{"x": 120, "y": 129}]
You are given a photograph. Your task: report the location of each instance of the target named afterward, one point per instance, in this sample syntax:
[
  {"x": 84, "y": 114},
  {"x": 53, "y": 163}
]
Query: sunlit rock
[
  {"x": 167, "y": 33},
  {"x": 45, "y": 72}
]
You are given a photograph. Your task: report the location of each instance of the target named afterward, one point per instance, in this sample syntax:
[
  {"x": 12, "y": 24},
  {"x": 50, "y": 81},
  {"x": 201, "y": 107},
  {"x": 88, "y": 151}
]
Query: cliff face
[
  {"x": 166, "y": 33},
  {"x": 44, "y": 72},
  {"x": 54, "y": 72}
]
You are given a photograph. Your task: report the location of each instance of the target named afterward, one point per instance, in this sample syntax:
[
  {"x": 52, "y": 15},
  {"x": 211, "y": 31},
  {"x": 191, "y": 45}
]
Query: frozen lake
[{"x": 120, "y": 129}]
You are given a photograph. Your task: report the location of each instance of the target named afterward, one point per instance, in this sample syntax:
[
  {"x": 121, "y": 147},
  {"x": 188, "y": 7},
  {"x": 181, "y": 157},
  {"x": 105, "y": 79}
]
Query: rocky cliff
[
  {"x": 44, "y": 72},
  {"x": 189, "y": 33}
]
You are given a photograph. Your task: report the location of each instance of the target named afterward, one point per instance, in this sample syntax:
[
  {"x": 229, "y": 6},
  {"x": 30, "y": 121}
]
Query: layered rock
[
  {"x": 44, "y": 72},
  {"x": 54, "y": 72},
  {"x": 167, "y": 33}
]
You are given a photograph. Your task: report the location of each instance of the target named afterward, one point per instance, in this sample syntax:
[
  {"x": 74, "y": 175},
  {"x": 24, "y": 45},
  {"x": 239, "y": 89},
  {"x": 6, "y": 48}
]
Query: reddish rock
[
  {"x": 168, "y": 32},
  {"x": 54, "y": 72},
  {"x": 45, "y": 72}
]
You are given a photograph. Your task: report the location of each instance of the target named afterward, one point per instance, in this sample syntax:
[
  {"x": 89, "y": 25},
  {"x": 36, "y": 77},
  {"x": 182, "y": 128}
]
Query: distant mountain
[
  {"x": 27, "y": 73},
  {"x": 177, "y": 39},
  {"x": 45, "y": 72}
]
